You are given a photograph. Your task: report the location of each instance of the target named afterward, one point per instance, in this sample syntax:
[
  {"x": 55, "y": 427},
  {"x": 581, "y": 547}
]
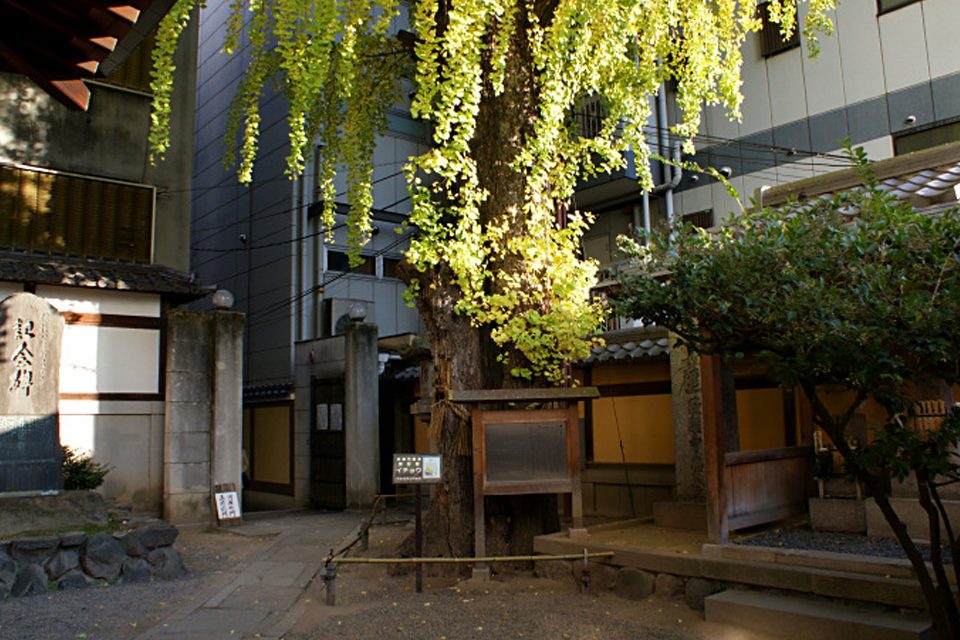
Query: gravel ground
[
  {"x": 121, "y": 612},
  {"x": 810, "y": 540},
  {"x": 372, "y": 604}
]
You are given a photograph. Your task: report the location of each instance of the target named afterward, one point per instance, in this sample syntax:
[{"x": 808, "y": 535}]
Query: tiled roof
[
  {"x": 268, "y": 391},
  {"x": 29, "y": 268},
  {"x": 927, "y": 178},
  {"x": 928, "y": 184},
  {"x": 629, "y": 346}
]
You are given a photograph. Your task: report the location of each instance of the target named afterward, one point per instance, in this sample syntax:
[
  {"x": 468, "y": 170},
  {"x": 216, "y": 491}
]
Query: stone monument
[{"x": 30, "y": 338}]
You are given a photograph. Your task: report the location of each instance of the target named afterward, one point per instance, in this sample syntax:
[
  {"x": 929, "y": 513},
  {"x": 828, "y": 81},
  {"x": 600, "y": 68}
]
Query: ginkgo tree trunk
[{"x": 494, "y": 266}]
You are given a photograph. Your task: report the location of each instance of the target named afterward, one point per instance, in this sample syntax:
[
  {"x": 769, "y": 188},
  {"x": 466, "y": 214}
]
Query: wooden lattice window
[
  {"x": 134, "y": 71},
  {"x": 63, "y": 214},
  {"x": 771, "y": 40}
]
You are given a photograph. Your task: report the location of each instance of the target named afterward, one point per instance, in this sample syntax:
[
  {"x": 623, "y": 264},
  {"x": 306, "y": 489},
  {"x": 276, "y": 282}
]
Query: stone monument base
[{"x": 59, "y": 512}]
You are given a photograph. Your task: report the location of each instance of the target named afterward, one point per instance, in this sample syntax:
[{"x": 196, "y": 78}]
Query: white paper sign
[{"x": 228, "y": 506}]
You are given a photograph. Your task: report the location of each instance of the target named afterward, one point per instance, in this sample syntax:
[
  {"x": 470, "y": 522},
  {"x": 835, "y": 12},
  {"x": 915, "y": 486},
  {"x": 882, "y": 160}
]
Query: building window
[
  {"x": 70, "y": 215},
  {"x": 590, "y": 116},
  {"x": 886, "y": 6},
  {"x": 771, "y": 40},
  {"x": 926, "y": 138},
  {"x": 701, "y": 219}
]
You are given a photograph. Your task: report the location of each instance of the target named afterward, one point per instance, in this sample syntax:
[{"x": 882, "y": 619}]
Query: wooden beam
[
  {"x": 552, "y": 394},
  {"x": 714, "y": 448}
]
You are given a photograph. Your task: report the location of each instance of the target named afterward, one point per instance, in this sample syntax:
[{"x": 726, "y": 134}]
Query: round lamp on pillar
[
  {"x": 222, "y": 299},
  {"x": 357, "y": 312}
]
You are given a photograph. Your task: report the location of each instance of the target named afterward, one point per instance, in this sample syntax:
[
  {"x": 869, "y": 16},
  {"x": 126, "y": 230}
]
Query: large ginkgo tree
[{"x": 495, "y": 267}]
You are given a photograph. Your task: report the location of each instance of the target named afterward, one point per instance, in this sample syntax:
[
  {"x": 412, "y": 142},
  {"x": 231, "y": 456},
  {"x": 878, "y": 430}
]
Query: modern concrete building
[
  {"x": 91, "y": 225},
  {"x": 263, "y": 242},
  {"x": 889, "y": 80}
]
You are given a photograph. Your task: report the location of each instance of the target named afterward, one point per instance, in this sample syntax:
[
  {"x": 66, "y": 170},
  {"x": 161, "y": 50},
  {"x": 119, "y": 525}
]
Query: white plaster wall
[
  {"x": 86, "y": 300},
  {"x": 109, "y": 360},
  {"x": 127, "y": 436}
]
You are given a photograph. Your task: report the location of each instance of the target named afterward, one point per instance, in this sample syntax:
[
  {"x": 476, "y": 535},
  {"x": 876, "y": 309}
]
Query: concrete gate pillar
[
  {"x": 203, "y": 422},
  {"x": 687, "y": 404},
  {"x": 362, "y": 415}
]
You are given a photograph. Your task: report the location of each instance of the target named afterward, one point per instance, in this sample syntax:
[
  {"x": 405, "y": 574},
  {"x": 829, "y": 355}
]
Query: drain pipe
[{"x": 674, "y": 171}]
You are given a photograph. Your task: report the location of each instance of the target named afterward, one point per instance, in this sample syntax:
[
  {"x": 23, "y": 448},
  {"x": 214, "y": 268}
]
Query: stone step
[
  {"x": 681, "y": 515},
  {"x": 800, "y": 618},
  {"x": 911, "y": 513}
]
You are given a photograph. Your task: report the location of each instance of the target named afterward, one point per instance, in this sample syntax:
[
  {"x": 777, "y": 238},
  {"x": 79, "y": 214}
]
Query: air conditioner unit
[{"x": 335, "y": 314}]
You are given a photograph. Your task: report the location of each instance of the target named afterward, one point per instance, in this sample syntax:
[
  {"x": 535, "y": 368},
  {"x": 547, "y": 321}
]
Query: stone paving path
[{"x": 264, "y": 596}]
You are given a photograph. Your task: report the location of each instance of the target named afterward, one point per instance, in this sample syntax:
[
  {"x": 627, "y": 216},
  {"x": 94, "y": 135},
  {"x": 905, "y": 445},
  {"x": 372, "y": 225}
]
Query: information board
[{"x": 415, "y": 468}]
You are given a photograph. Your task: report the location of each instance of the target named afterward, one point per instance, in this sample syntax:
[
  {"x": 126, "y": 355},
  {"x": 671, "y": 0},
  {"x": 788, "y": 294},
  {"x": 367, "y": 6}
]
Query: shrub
[{"x": 80, "y": 471}]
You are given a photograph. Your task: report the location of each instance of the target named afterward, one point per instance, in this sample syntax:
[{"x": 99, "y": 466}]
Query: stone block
[
  {"x": 34, "y": 550},
  {"x": 189, "y": 386},
  {"x": 186, "y": 446},
  {"x": 102, "y": 557},
  {"x": 72, "y": 539},
  {"x": 186, "y": 477},
  {"x": 62, "y": 561},
  {"x": 187, "y": 507},
  {"x": 560, "y": 570},
  {"x": 697, "y": 590},
  {"x": 8, "y": 570},
  {"x": 135, "y": 570},
  {"x": 838, "y": 514},
  {"x": 808, "y": 619},
  {"x": 166, "y": 563},
  {"x": 73, "y": 580},
  {"x": 32, "y": 581},
  {"x": 187, "y": 416},
  {"x": 130, "y": 541},
  {"x": 634, "y": 584},
  {"x": 159, "y": 534},
  {"x": 668, "y": 585},
  {"x": 603, "y": 577},
  {"x": 912, "y": 515}
]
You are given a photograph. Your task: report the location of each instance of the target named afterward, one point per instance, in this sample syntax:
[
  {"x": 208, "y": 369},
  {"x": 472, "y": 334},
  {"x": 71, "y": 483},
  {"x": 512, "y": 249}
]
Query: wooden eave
[{"x": 59, "y": 43}]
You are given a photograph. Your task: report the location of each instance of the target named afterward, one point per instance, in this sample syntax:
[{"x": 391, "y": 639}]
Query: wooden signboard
[{"x": 520, "y": 452}]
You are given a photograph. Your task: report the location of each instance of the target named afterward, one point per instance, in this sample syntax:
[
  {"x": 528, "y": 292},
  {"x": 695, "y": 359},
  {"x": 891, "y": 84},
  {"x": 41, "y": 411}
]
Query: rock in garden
[
  {"x": 668, "y": 585},
  {"x": 8, "y": 571},
  {"x": 553, "y": 569},
  {"x": 32, "y": 581},
  {"x": 634, "y": 584},
  {"x": 156, "y": 535},
  {"x": 135, "y": 570},
  {"x": 166, "y": 563},
  {"x": 132, "y": 544},
  {"x": 73, "y": 580},
  {"x": 72, "y": 539},
  {"x": 62, "y": 562},
  {"x": 603, "y": 577},
  {"x": 34, "y": 550},
  {"x": 697, "y": 590},
  {"x": 102, "y": 557}
]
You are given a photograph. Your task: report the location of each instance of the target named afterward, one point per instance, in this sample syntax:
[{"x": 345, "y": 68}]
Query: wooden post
[
  {"x": 714, "y": 448},
  {"x": 479, "y": 519},
  {"x": 419, "y": 537},
  {"x": 573, "y": 459}
]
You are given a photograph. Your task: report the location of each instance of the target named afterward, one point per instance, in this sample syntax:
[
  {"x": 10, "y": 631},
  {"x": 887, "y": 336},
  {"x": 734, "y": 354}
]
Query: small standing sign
[
  {"x": 417, "y": 469},
  {"x": 228, "y": 504},
  {"x": 413, "y": 468}
]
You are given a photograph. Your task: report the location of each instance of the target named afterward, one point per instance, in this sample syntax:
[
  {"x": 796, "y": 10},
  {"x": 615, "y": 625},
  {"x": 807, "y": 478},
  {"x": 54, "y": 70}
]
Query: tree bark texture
[{"x": 464, "y": 356}]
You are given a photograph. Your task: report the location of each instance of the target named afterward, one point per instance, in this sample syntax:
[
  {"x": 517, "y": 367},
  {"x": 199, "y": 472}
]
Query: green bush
[{"x": 80, "y": 471}]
